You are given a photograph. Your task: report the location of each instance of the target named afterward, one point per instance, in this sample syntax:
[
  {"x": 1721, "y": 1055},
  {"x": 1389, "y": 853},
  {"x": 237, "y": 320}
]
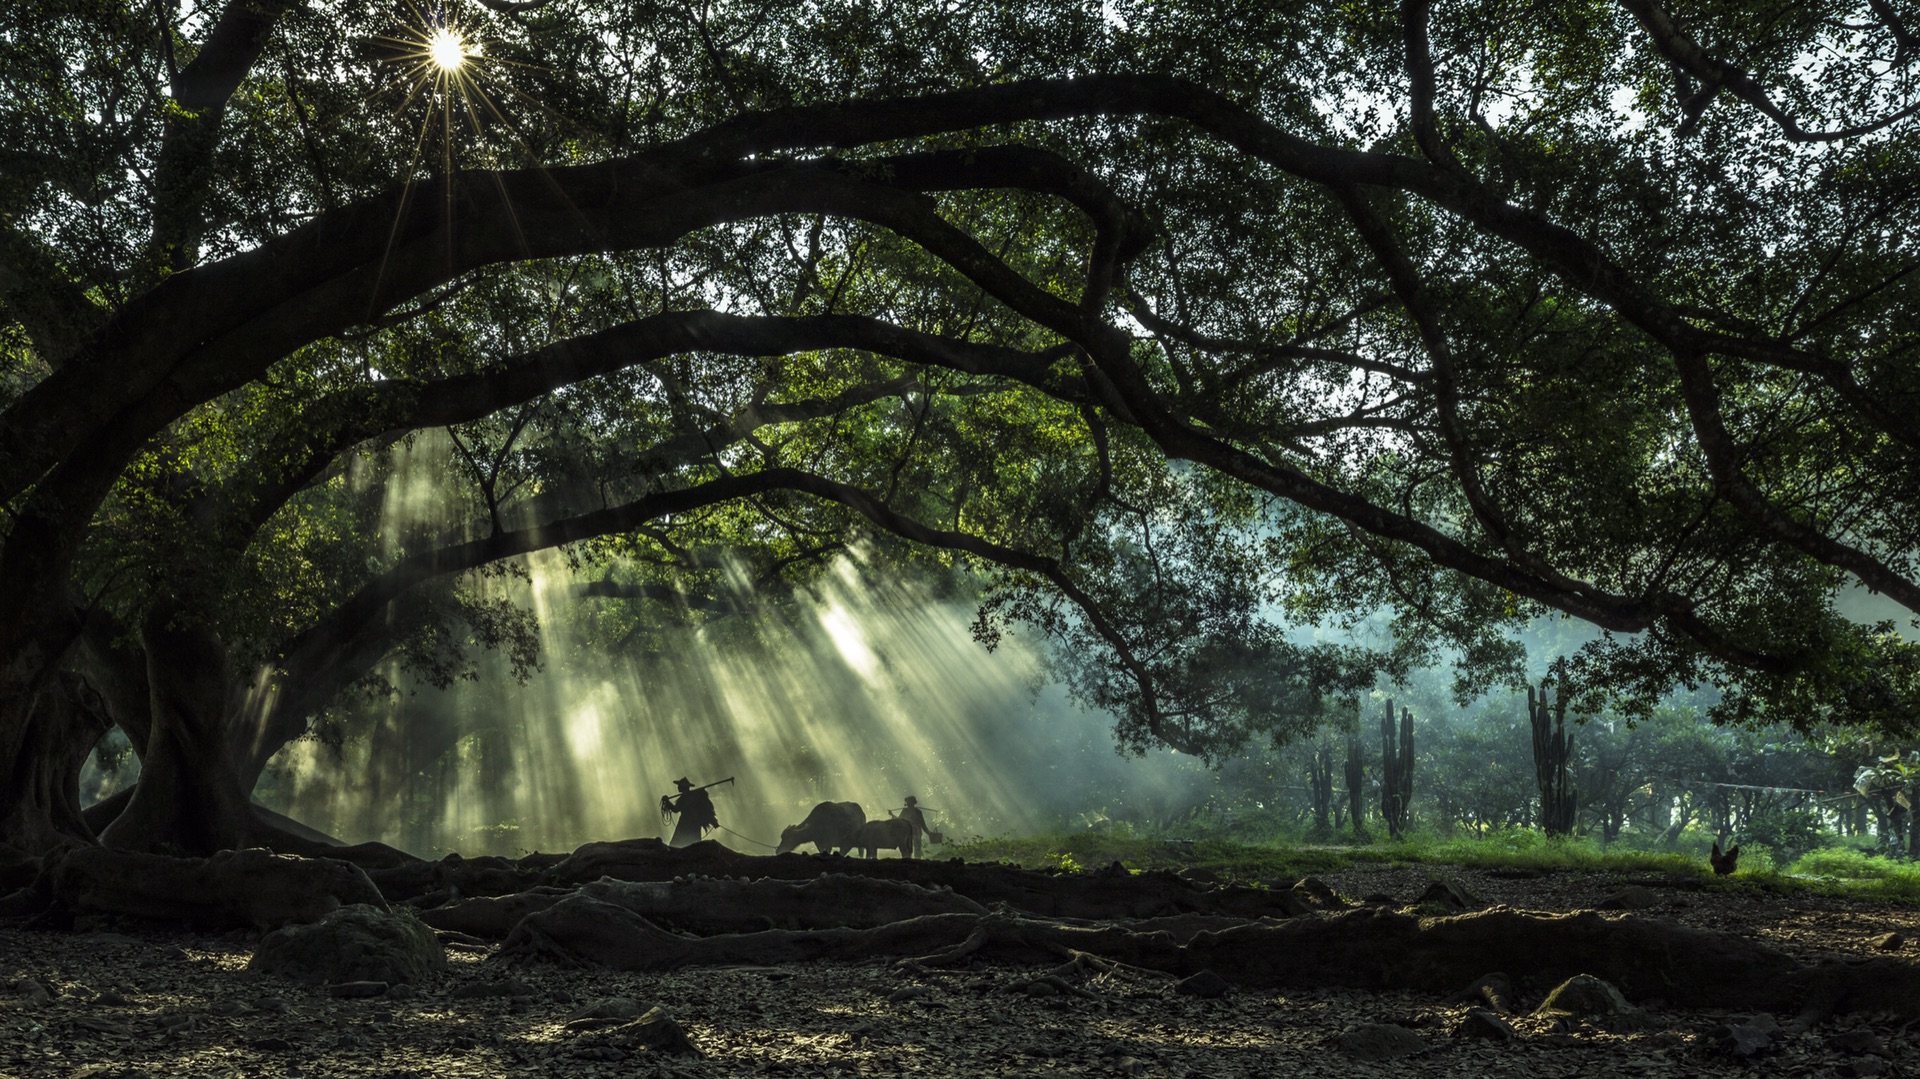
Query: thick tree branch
[
  {"x": 209, "y": 330},
  {"x": 1421, "y": 83},
  {"x": 1716, "y": 74},
  {"x": 200, "y": 94},
  {"x": 214, "y": 327},
  {"x": 1730, "y": 480},
  {"x": 1268, "y": 357},
  {"x": 350, "y": 416},
  {"x": 1412, "y": 290}
]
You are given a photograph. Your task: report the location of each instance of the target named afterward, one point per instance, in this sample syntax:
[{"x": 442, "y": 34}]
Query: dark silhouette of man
[
  {"x": 696, "y": 814},
  {"x": 916, "y": 817}
]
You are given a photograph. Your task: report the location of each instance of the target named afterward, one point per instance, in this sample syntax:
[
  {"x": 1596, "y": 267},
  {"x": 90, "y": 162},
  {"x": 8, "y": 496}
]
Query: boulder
[
  {"x": 1586, "y": 999},
  {"x": 1372, "y": 1043},
  {"x": 1584, "y": 996},
  {"x": 657, "y": 1031},
  {"x": 1447, "y": 896},
  {"x": 353, "y": 944}
]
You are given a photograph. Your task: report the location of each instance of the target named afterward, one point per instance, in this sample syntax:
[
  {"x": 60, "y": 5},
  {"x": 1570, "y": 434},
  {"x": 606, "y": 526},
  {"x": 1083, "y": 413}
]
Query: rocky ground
[{"x": 136, "y": 1002}]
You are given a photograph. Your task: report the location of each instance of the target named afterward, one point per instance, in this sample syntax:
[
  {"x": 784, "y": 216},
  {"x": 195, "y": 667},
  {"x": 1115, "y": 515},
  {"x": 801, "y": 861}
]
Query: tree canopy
[{"x": 1191, "y": 327}]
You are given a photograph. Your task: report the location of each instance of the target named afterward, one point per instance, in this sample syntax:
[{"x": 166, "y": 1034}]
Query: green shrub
[
  {"x": 1787, "y": 835},
  {"x": 1848, "y": 863}
]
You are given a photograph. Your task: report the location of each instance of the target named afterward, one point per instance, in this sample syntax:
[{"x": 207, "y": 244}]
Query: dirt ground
[{"x": 164, "y": 1005}]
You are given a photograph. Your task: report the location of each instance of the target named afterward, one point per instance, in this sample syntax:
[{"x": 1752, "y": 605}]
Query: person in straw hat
[{"x": 917, "y": 817}]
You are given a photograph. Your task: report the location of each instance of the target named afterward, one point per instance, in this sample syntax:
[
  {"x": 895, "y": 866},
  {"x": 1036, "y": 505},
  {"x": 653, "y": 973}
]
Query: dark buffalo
[
  {"x": 891, "y": 834},
  {"x": 830, "y": 826}
]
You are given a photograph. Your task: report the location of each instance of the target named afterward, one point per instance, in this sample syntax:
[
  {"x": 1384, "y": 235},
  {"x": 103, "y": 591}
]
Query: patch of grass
[
  {"x": 1531, "y": 850},
  {"x": 1290, "y": 861},
  {"x": 1851, "y": 872},
  {"x": 1840, "y": 871},
  {"x": 1092, "y": 850}
]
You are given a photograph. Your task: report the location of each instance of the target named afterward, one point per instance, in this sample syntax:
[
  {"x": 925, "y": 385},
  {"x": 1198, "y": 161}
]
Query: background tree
[
  {"x": 1396, "y": 770},
  {"x": 1553, "y": 759}
]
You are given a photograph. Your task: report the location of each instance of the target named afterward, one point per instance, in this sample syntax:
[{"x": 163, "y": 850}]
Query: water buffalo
[
  {"x": 878, "y": 835},
  {"x": 830, "y": 826}
]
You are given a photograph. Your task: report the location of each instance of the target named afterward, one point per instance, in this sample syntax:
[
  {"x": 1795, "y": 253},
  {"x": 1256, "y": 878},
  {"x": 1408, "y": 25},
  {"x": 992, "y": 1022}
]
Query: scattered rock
[
  {"x": 1889, "y": 942},
  {"x": 1632, "y": 897},
  {"x": 1743, "y": 1040},
  {"x": 1494, "y": 990},
  {"x": 609, "y": 1008},
  {"x": 100, "y": 1024},
  {"x": 1317, "y": 894},
  {"x": 1481, "y": 1023},
  {"x": 911, "y": 992},
  {"x": 357, "y": 990},
  {"x": 1858, "y": 1041},
  {"x": 1049, "y": 985},
  {"x": 227, "y": 1008},
  {"x": 1449, "y": 894},
  {"x": 271, "y": 1045},
  {"x": 33, "y": 992},
  {"x": 1130, "y": 1066},
  {"x": 603, "y": 1013},
  {"x": 1204, "y": 984},
  {"x": 270, "y": 1006},
  {"x": 111, "y": 999},
  {"x": 656, "y": 1031},
  {"x": 1375, "y": 1042},
  {"x": 354, "y": 943},
  {"x": 108, "y": 1071},
  {"x": 1865, "y": 1066},
  {"x": 505, "y": 987}
]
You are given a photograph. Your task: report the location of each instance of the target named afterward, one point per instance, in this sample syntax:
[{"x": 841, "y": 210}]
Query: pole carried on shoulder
[{"x": 668, "y": 809}]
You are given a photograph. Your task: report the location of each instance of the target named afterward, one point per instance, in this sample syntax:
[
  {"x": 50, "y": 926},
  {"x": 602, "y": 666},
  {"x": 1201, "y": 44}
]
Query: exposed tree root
[
  {"x": 784, "y": 910},
  {"x": 708, "y": 906},
  {"x": 1369, "y": 949},
  {"x": 1103, "y": 895},
  {"x": 247, "y": 888}
]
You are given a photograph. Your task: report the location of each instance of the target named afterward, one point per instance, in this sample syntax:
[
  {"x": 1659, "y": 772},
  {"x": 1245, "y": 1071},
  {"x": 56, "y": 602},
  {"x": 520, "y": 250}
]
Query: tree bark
[
  {"x": 40, "y": 800},
  {"x": 189, "y": 799}
]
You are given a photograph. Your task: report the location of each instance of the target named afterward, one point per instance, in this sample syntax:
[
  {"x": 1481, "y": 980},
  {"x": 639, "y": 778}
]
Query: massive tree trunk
[
  {"x": 190, "y": 798},
  {"x": 40, "y": 799}
]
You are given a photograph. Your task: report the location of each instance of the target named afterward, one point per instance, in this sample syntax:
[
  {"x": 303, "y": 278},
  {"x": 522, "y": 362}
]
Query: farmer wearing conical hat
[
  {"x": 695, "y": 807},
  {"x": 917, "y": 817}
]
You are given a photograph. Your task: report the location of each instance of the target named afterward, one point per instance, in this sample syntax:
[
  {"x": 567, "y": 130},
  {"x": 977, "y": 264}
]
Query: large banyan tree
[{"x": 1186, "y": 325}]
